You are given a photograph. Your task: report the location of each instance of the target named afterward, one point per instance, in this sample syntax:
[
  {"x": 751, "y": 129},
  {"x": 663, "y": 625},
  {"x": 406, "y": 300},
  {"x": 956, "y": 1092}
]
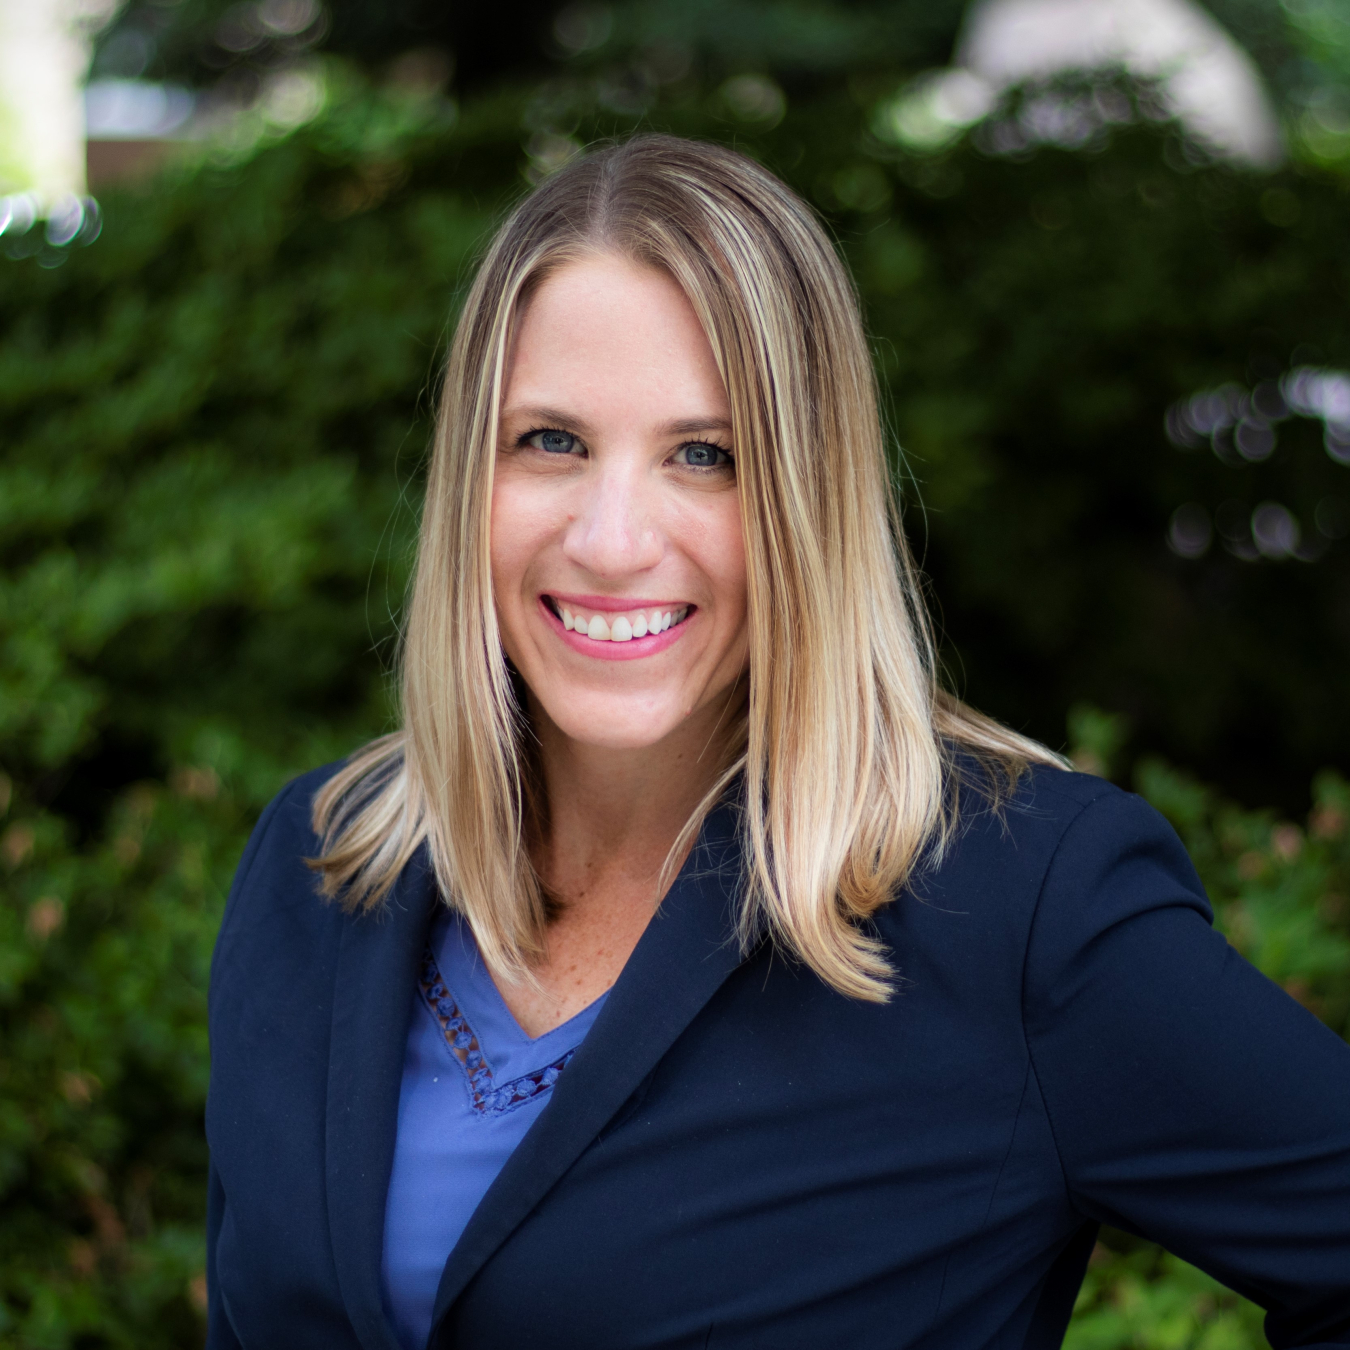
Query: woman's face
[{"x": 617, "y": 557}]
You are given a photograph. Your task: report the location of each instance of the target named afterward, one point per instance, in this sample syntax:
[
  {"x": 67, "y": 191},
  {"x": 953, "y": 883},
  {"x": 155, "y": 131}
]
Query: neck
[
  {"x": 613, "y": 813},
  {"x": 610, "y": 819}
]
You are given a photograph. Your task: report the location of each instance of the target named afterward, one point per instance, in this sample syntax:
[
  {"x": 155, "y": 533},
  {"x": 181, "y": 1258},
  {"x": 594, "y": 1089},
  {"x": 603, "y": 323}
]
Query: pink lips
[{"x": 633, "y": 650}]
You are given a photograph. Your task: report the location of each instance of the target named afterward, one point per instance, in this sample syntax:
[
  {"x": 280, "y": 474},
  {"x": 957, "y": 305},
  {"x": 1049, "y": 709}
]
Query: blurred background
[{"x": 1102, "y": 250}]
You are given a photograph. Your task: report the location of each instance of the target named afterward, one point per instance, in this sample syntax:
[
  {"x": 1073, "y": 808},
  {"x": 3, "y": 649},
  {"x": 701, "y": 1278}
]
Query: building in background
[
  {"x": 1207, "y": 81},
  {"x": 57, "y": 143},
  {"x": 130, "y": 127},
  {"x": 1202, "y": 76},
  {"x": 44, "y": 58}
]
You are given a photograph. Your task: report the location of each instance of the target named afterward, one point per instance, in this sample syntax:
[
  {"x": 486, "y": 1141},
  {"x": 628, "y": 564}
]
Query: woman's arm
[
  {"x": 219, "y": 1333},
  {"x": 1192, "y": 1100}
]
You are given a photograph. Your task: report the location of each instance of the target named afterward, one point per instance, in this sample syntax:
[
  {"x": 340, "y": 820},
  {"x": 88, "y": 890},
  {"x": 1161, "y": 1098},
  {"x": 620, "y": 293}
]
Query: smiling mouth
[{"x": 620, "y": 626}]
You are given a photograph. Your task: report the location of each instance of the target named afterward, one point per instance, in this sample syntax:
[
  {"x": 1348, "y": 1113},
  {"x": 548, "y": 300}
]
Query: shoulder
[
  {"x": 1117, "y": 879},
  {"x": 284, "y": 835},
  {"x": 1053, "y": 817},
  {"x": 1043, "y": 795},
  {"x": 273, "y": 877},
  {"x": 1099, "y": 838},
  {"x": 1018, "y": 835},
  {"x": 287, "y": 818},
  {"x": 1063, "y": 856}
]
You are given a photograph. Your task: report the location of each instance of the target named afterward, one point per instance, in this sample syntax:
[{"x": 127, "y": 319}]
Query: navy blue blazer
[{"x": 740, "y": 1157}]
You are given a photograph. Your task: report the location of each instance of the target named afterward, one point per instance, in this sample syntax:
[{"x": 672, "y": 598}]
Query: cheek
[
  {"x": 718, "y": 542},
  {"x": 523, "y": 525}
]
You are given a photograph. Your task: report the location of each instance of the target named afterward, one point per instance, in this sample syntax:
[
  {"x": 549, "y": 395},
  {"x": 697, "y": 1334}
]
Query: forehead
[{"x": 605, "y": 328}]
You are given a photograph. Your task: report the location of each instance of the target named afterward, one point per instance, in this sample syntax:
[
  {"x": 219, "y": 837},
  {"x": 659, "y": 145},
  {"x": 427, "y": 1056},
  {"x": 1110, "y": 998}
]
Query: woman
[{"x": 693, "y": 971}]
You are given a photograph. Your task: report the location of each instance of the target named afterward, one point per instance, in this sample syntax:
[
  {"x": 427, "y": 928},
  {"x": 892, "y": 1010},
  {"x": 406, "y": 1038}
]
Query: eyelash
[{"x": 525, "y": 440}]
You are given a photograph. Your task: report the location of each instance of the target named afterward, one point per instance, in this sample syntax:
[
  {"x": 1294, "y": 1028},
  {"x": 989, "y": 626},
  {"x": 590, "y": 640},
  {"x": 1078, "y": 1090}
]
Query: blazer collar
[
  {"x": 687, "y": 951},
  {"x": 376, "y": 972}
]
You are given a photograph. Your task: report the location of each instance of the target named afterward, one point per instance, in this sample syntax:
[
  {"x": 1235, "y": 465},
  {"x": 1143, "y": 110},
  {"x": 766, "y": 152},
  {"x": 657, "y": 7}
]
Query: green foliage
[
  {"x": 104, "y": 953},
  {"x": 1097, "y": 739},
  {"x": 1279, "y": 889},
  {"x": 1035, "y": 320},
  {"x": 202, "y": 505},
  {"x": 1147, "y": 1299},
  {"x": 211, "y": 427}
]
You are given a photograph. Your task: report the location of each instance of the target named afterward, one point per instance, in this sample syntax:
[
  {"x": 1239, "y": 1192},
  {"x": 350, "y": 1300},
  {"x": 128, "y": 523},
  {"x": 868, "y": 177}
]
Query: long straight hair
[{"x": 846, "y": 741}]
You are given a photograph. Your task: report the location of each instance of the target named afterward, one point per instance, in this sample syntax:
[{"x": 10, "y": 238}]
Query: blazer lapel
[
  {"x": 688, "y": 950},
  {"x": 376, "y": 970}
]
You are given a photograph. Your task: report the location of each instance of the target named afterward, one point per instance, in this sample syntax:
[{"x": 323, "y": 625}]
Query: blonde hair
[{"x": 847, "y": 744}]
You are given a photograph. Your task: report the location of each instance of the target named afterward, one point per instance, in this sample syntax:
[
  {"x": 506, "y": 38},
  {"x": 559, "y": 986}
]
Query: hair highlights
[{"x": 847, "y": 743}]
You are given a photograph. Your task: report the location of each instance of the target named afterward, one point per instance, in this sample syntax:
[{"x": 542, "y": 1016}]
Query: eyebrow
[
  {"x": 541, "y": 416},
  {"x": 695, "y": 424}
]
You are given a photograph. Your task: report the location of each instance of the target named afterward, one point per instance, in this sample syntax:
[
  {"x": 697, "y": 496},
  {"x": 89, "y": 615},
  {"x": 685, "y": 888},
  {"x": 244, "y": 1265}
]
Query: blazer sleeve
[
  {"x": 1192, "y": 1101},
  {"x": 219, "y": 1333}
]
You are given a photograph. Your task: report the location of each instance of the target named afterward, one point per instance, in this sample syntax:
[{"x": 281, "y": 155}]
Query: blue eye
[
  {"x": 701, "y": 455},
  {"x": 553, "y": 442}
]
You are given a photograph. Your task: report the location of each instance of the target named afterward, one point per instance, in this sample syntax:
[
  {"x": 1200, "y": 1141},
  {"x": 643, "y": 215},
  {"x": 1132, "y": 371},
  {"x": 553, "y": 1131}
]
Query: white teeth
[{"x": 621, "y": 627}]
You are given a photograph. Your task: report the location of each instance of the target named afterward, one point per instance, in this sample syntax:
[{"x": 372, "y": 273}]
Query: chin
[{"x": 613, "y": 724}]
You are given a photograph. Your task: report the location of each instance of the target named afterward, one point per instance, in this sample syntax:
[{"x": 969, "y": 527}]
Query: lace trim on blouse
[{"x": 487, "y": 1097}]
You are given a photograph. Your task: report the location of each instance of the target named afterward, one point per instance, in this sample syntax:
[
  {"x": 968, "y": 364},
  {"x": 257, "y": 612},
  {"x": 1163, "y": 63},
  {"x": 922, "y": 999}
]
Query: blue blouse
[{"x": 473, "y": 1084}]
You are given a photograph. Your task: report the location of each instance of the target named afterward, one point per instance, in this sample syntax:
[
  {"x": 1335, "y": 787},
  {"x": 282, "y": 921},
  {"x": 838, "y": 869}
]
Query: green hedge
[{"x": 211, "y": 431}]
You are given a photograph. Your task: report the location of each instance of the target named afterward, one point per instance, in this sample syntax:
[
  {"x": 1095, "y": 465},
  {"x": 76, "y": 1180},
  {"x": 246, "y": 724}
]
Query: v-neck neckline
[
  {"x": 470, "y": 982},
  {"x": 682, "y": 959}
]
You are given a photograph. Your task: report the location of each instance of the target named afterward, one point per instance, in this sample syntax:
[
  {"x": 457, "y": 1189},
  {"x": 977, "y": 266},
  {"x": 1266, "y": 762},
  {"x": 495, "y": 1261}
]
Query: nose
[{"x": 614, "y": 531}]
